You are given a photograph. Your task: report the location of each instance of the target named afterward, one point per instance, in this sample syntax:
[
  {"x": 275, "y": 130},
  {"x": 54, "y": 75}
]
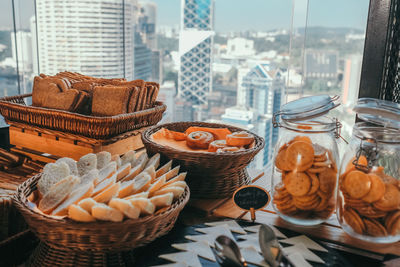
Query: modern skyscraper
[
  {"x": 195, "y": 50},
  {"x": 94, "y": 37},
  {"x": 264, "y": 88},
  {"x": 147, "y": 21},
  {"x": 143, "y": 59},
  {"x": 321, "y": 64}
]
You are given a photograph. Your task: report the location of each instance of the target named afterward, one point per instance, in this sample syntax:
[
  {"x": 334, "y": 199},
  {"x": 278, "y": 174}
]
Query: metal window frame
[{"x": 375, "y": 69}]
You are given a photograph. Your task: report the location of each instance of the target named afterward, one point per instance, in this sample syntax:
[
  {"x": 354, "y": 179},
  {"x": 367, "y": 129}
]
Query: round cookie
[
  {"x": 377, "y": 189},
  {"x": 297, "y": 183},
  {"x": 357, "y": 184},
  {"x": 374, "y": 228},
  {"x": 390, "y": 200},
  {"x": 300, "y": 156}
]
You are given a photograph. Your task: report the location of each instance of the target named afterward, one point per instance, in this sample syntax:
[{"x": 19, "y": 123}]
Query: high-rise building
[
  {"x": 264, "y": 88},
  {"x": 167, "y": 95},
  {"x": 143, "y": 59},
  {"x": 321, "y": 64},
  {"x": 94, "y": 37},
  {"x": 195, "y": 50},
  {"x": 147, "y": 21},
  {"x": 156, "y": 67}
]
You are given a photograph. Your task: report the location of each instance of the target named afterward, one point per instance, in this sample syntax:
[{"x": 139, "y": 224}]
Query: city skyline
[{"x": 261, "y": 15}]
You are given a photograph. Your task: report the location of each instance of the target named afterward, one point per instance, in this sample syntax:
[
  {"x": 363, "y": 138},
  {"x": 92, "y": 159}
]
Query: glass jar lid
[
  {"x": 308, "y": 107},
  {"x": 380, "y": 112}
]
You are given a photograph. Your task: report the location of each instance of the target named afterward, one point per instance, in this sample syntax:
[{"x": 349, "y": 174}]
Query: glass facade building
[{"x": 195, "y": 50}]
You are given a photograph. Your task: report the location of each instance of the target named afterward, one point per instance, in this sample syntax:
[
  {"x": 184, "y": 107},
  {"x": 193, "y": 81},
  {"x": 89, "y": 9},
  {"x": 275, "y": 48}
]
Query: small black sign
[{"x": 251, "y": 196}]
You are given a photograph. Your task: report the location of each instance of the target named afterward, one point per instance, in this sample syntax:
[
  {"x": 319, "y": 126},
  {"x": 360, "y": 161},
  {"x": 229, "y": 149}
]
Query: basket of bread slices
[
  {"x": 214, "y": 155},
  {"x": 92, "y": 107},
  {"x": 103, "y": 202}
]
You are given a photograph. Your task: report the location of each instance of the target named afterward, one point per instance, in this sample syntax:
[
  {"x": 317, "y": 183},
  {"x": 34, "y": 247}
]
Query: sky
[{"x": 238, "y": 15}]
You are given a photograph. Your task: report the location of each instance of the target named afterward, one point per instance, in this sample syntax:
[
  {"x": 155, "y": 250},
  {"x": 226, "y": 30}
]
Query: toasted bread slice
[
  {"x": 106, "y": 172},
  {"x": 52, "y": 174},
  {"x": 142, "y": 183},
  {"x": 103, "y": 158},
  {"x": 125, "y": 207},
  {"x": 141, "y": 160},
  {"x": 172, "y": 173},
  {"x": 129, "y": 157},
  {"x": 161, "y": 201},
  {"x": 104, "y": 185},
  {"x": 73, "y": 198},
  {"x": 141, "y": 194},
  {"x": 164, "y": 169},
  {"x": 126, "y": 189},
  {"x": 135, "y": 170},
  {"x": 73, "y": 168},
  {"x": 87, "y": 163},
  {"x": 107, "y": 194},
  {"x": 123, "y": 171},
  {"x": 90, "y": 177},
  {"x": 87, "y": 204},
  {"x": 176, "y": 190},
  {"x": 153, "y": 161},
  {"x": 181, "y": 184},
  {"x": 152, "y": 172},
  {"x": 103, "y": 212},
  {"x": 156, "y": 185},
  {"x": 180, "y": 177},
  {"x": 58, "y": 193},
  {"x": 77, "y": 213},
  {"x": 117, "y": 159},
  {"x": 144, "y": 204}
]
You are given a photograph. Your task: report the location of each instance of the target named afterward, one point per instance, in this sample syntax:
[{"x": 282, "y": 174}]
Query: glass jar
[
  {"x": 368, "y": 205},
  {"x": 304, "y": 174}
]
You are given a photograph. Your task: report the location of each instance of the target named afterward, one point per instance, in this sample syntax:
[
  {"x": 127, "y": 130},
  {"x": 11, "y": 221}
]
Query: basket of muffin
[
  {"x": 92, "y": 107},
  {"x": 214, "y": 155},
  {"x": 103, "y": 202}
]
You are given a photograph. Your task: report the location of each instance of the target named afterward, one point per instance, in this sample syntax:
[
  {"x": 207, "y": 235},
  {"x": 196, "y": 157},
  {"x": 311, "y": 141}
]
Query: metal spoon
[
  {"x": 270, "y": 247},
  {"x": 228, "y": 252}
]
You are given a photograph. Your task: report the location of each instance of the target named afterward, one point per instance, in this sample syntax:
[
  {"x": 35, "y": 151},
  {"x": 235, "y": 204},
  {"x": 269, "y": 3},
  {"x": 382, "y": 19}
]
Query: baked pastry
[{"x": 199, "y": 140}]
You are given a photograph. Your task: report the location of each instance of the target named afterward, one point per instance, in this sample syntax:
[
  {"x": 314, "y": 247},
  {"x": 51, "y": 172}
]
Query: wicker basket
[
  {"x": 210, "y": 175},
  {"x": 15, "y": 109},
  {"x": 97, "y": 237}
]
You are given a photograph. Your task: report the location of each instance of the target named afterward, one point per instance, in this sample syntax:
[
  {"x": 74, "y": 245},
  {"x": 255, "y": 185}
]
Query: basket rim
[
  {"x": 21, "y": 204},
  {"x": 158, "y": 105},
  {"x": 259, "y": 141}
]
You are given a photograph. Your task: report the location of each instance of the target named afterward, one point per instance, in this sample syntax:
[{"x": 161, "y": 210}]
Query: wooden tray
[{"x": 48, "y": 145}]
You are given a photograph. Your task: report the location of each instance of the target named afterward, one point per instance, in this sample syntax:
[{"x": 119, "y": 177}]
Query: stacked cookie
[
  {"x": 107, "y": 188},
  {"x": 308, "y": 182},
  {"x": 370, "y": 202},
  {"x": 78, "y": 93}
]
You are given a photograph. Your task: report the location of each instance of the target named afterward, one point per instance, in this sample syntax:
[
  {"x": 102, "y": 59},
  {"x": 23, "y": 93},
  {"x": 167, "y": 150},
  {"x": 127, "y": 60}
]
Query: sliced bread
[{"x": 58, "y": 193}]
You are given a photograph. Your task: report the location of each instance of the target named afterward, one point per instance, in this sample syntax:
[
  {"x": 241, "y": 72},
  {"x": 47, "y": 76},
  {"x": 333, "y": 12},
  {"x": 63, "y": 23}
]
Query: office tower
[
  {"x": 156, "y": 67},
  {"x": 94, "y": 37},
  {"x": 143, "y": 59},
  {"x": 321, "y": 64},
  {"x": 147, "y": 22},
  {"x": 23, "y": 50},
  {"x": 195, "y": 50},
  {"x": 167, "y": 96},
  {"x": 264, "y": 88}
]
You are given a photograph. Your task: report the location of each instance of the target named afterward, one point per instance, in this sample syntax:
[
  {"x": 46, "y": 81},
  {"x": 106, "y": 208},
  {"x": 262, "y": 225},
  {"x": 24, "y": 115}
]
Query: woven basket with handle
[
  {"x": 14, "y": 109},
  {"x": 210, "y": 174}
]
